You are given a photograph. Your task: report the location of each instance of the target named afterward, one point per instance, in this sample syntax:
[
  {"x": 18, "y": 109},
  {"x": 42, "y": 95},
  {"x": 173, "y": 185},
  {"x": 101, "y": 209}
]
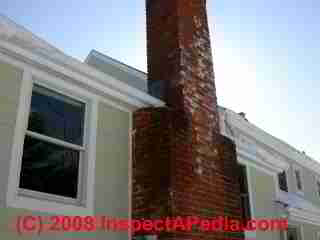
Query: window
[
  {"x": 54, "y": 149},
  {"x": 318, "y": 187},
  {"x": 298, "y": 177},
  {"x": 293, "y": 233},
  {"x": 53, "y": 145},
  {"x": 244, "y": 193},
  {"x": 283, "y": 184}
]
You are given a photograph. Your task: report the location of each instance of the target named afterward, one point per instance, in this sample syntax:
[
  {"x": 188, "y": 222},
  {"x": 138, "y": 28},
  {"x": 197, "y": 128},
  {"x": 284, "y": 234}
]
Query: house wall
[
  {"x": 267, "y": 156},
  {"x": 112, "y": 163},
  {"x": 308, "y": 231},
  {"x": 310, "y": 191},
  {"x": 263, "y": 193},
  {"x": 10, "y": 82}
]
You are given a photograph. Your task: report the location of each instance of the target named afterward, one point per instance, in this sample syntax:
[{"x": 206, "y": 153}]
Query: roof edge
[
  {"x": 127, "y": 68},
  {"x": 29, "y": 45}
]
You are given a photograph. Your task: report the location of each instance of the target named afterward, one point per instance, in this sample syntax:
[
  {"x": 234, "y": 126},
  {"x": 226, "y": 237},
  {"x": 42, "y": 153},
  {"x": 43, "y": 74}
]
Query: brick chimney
[
  {"x": 182, "y": 166},
  {"x": 180, "y": 69}
]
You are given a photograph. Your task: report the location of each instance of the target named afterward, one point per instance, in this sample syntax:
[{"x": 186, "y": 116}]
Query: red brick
[{"x": 181, "y": 163}]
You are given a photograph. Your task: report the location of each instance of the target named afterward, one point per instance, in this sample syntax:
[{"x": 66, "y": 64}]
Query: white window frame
[
  {"x": 299, "y": 169},
  {"x": 42, "y": 201}
]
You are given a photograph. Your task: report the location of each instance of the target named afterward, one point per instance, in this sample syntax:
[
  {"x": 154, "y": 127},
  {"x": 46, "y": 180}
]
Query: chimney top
[{"x": 180, "y": 67}]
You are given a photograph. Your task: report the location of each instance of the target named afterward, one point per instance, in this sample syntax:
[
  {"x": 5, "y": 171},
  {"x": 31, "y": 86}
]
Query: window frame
[
  {"x": 33, "y": 200},
  {"x": 82, "y": 149},
  {"x": 299, "y": 169}
]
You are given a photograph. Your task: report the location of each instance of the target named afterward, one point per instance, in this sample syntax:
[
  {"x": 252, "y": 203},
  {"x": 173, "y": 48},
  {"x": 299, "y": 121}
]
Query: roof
[{"x": 118, "y": 70}]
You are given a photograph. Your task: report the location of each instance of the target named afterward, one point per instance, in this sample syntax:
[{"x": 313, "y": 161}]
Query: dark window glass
[
  {"x": 318, "y": 185},
  {"x": 283, "y": 185},
  {"x": 298, "y": 179},
  {"x": 244, "y": 193},
  {"x": 56, "y": 116},
  {"x": 49, "y": 168},
  {"x": 293, "y": 233}
]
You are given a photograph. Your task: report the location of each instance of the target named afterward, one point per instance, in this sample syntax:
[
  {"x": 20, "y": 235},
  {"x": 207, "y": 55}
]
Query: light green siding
[
  {"x": 10, "y": 82},
  {"x": 112, "y": 163},
  {"x": 308, "y": 231},
  {"x": 263, "y": 194}
]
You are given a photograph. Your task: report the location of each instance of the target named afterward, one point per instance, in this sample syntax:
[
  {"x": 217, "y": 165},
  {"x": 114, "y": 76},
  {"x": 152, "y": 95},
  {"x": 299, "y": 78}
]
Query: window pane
[
  {"x": 57, "y": 116},
  {"x": 245, "y": 207},
  {"x": 49, "y": 168},
  {"x": 243, "y": 179},
  {"x": 283, "y": 181},
  {"x": 244, "y": 193},
  {"x": 298, "y": 178}
]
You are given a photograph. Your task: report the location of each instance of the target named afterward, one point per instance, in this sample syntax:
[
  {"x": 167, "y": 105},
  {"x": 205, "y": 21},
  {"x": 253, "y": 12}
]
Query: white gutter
[{"x": 280, "y": 147}]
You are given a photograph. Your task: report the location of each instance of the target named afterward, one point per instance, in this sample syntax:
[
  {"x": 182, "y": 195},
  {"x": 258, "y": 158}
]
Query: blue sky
[{"x": 266, "y": 53}]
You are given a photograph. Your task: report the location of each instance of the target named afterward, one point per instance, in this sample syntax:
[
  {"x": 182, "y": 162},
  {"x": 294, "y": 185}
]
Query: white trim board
[
  {"x": 86, "y": 75},
  {"x": 303, "y": 216},
  {"x": 257, "y": 162},
  {"x": 284, "y": 151},
  {"x": 44, "y": 76}
]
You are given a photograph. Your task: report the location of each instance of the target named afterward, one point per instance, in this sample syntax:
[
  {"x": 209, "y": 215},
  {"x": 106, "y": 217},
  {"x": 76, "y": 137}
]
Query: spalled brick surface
[
  {"x": 182, "y": 166},
  {"x": 179, "y": 59},
  {"x": 170, "y": 178}
]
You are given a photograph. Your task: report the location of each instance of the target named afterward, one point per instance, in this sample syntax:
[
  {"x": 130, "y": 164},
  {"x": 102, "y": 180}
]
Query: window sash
[
  {"x": 38, "y": 88},
  {"x": 53, "y": 93},
  {"x": 49, "y": 197},
  {"x": 55, "y": 141},
  {"x": 52, "y": 197}
]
